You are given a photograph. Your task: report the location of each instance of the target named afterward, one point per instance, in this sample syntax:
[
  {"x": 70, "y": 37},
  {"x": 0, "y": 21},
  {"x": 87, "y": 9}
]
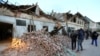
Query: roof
[
  {"x": 20, "y": 8},
  {"x": 98, "y": 23},
  {"x": 79, "y": 15},
  {"x": 69, "y": 15},
  {"x": 88, "y": 19},
  {"x": 28, "y": 9}
]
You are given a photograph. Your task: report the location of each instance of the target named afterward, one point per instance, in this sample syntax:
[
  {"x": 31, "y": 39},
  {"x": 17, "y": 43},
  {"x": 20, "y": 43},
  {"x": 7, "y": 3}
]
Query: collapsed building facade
[
  {"x": 16, "y": 20},
  {"x": 26, "y": 22}
]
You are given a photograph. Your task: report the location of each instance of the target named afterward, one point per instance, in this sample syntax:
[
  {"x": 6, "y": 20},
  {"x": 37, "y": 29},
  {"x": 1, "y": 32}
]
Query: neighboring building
[
  {"x": 77, "y": 21},
  {"x": 17, "y": 20},
  {"x": 92, "y": 24},
  {"x": 73, "y": 22},
  {"x": 98, "y": 26}
]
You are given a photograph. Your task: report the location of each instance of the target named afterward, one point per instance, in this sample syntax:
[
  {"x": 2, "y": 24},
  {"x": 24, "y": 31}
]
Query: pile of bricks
[{"x": 39, "y": 43}]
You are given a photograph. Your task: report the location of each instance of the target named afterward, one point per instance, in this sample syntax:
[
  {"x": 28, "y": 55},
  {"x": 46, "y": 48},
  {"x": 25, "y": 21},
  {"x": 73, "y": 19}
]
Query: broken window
[
  {"x": 20, "y": 22},
  {"x": 31, "y": 28},
  {"x": 46, "y": 27}
]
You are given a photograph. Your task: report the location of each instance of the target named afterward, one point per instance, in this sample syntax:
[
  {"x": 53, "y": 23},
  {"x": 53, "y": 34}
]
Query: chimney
[{"x": 37, "y": 11}]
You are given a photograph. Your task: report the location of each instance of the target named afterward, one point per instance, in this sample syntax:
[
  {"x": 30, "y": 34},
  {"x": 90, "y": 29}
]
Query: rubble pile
[{"x": 38, "y": 43}]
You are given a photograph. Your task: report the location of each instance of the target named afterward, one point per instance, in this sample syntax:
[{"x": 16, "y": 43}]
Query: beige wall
[{"x": 76, "y": 25}]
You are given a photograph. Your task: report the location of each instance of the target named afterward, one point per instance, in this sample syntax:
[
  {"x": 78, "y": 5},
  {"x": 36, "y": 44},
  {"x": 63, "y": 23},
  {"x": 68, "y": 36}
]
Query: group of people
[{"x": 77, "y": 36}]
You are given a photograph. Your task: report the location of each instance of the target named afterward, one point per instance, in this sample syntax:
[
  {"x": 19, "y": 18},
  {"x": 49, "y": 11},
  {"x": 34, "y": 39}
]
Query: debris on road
[{"x": 38, "y": 43}]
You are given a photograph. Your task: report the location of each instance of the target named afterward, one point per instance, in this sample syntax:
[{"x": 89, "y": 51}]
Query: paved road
[{"x": 90, "y": 50}]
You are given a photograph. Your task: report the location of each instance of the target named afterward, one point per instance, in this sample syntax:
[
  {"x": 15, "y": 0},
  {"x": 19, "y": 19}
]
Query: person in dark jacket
[
  {"x": 81, "y": 34},
  {"x": 73, "y": 39},
  {"x": 94, "y": 38},
  {"x": 87, "y": 34}
]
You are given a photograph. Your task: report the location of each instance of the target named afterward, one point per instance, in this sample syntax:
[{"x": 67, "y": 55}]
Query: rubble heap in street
[{"x": 38, "y": 43}]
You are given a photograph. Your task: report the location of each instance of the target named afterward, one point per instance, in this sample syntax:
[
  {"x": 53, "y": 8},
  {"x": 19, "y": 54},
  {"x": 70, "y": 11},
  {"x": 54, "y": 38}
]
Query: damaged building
[
  {"x": 16, "y": 20},
  {"x": 73, "y": 21}
]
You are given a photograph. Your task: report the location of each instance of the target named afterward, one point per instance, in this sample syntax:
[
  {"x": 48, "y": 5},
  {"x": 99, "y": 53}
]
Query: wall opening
[
  {"x": 74, "y": 20},
  {"x": 6, "y": 32},
  {"x": 46, "y": 28},
  {"x": 31, "y": 28}
]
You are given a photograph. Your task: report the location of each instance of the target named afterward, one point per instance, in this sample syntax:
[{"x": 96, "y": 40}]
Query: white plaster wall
[
  {"x": 39, "y": 22},
  {"x": 75, "y": 25},
  {"x": 39, "y": 25},
  {"x": 20, "y": 29},
  {"x": 92, "y": 25},
  {"x": 7, "y": 19},
  {"x": 98, "y": 26}
]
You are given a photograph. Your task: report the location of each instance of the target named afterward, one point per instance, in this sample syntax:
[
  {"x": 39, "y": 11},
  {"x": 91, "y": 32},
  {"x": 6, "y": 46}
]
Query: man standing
[
  {"x": 87, "y": 34},
  {"x": 73, "y": 39},
  {"x": 94, "y": 38},
  {"x": 80, "y": 39}
]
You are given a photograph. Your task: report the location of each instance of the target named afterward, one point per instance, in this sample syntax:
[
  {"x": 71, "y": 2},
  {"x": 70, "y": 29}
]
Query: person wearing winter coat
[
  {"x": 94, "y": 38},
  {"x": 87, "y": 34},
  {"x": 73, "y": 39},
  {"x": 81, "y": 34}
]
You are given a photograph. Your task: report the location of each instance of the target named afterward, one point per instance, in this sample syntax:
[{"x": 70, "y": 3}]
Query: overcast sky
[{"x": 89, "y": 8}]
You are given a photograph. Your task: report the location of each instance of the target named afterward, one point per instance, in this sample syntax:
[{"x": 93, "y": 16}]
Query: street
[{"x": 90, "y": 50}]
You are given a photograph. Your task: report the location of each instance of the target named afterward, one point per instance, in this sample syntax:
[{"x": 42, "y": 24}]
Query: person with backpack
[
  {"x": 73, "y": 39},
  {"x": 81, "y": 34},
  {"x": 94, "y": 38}
]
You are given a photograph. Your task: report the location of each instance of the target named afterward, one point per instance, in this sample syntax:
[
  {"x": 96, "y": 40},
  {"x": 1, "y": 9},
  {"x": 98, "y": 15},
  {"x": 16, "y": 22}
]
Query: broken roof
[
  {"x": 14, "y": 8},
  {"x": 69, "y": 15},
  {"x": 29, "y": 9},
  {"x": 79, "y": 15}
]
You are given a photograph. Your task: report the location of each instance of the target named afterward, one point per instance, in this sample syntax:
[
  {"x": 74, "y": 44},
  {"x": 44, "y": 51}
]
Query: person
[
  {"x": 80, "y": 39},
  {"x": 87, "y": 34},
  {"x": 73, "y": 39},
  {"x": 94, "y": 38}
]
